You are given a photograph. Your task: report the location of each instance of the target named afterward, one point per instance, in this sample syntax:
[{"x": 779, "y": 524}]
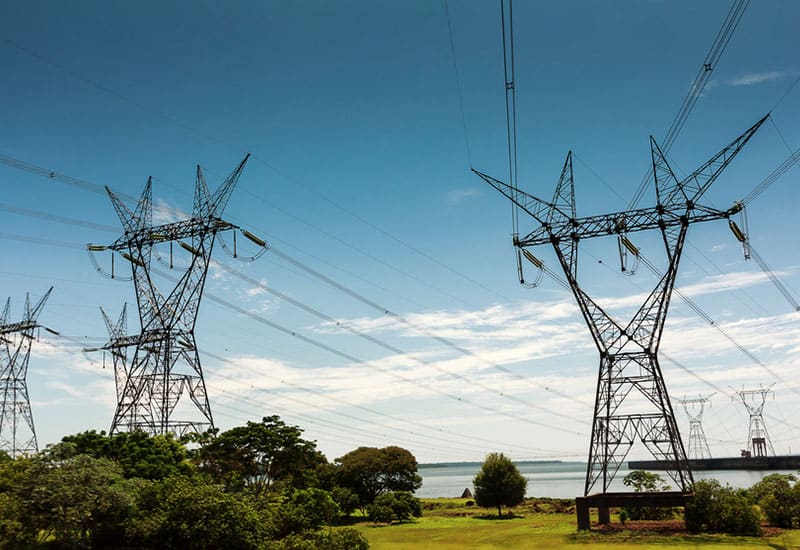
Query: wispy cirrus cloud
[
  {"x": 751, "y": 79},
  {"x": 457, "y": 196}
]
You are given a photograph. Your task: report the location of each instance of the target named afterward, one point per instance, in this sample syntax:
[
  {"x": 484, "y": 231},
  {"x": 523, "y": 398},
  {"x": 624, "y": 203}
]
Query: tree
[
  {"x": 399, "y": 505},
  {"x": 646, "y": 482},
  {"x": 259, "y": 454},
  {"x": 369, "y": 472},
  {"x": 138, "y": 453},
  {"x": 499, "y": 483},
  {"x": 718, "y": 509},
  {"x": 80, "y": 501},
  {"x": 188, "y": 512},
  {"x": 777, "y": 495}
]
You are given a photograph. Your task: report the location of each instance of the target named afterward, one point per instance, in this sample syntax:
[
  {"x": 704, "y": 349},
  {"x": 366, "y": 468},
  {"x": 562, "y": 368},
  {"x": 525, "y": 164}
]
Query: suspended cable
[
  {"x": 394, "y": 349},
  {"x": 458, "y": 83},
  {"x": 774, "y": 278},
  {"x": 696, "y": 89},
  {"x": 415, "y": 326},
  {"x": 229, "y": 145},
  {"x": 350, "y": 292},
  {"x": 511, "y": 103}
]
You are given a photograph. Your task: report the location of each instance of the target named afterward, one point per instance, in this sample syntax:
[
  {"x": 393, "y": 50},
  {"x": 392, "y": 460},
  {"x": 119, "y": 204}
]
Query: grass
[{"x": 540, "y": 523}]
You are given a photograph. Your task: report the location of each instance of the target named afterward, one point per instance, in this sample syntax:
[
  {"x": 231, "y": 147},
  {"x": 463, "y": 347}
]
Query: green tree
[
  {"x": 499, "y": 483},
  {"x": 718, "y": 509},
  {"x": 306, "y": 510},
  {"x": 646, "y": 482},
  {"x": 396, "y": 505},
  {"x": 260, "y": 454},
  {"x": 138, "y": 453},
  {"x": 777, "y": 495},
  {"x": 189, "y": 512},
  {"x": 80, "y": 501},
  {"x": 369, "y": 472}
]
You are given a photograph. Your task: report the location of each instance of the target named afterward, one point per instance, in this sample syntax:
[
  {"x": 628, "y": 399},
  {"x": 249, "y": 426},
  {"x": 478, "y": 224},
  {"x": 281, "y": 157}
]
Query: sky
[{"x": 391, "y": 275}]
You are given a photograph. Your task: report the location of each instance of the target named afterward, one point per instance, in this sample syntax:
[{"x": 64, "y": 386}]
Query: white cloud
[
  {"x": 460, "y": 195},
  {"x": 751, "y": 79}
]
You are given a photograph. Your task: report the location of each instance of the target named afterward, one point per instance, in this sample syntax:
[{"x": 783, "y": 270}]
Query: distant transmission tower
[
  {"x": 165, "y": 368},
  {"x": 698, "y": 445},
  {"x": 17, "y": 432},
  {"x": 631, "y": 403},
  {"x": 117, "y": 345},
  {"x": 758, "y": 441}
]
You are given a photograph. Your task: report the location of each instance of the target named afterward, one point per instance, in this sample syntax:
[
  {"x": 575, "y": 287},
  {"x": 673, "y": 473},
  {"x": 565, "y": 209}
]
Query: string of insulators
[
  {"x": 185, "y": 344},
  {"x": 254, "y": 238},
  {"x": 533, "y": 259},
  {"x": 131, "y": 259},
  {"x": 189, "y": 248},
  {"x": 632, "y": 248},
  {"x": 737, "y": 232},
  {"x": 96, "y": 247}
]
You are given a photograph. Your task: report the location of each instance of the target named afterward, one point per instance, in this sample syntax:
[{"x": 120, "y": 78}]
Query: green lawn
[{"x": 450, "y": 524}]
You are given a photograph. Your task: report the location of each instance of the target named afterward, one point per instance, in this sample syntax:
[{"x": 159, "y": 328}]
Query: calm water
[{"x": 553, "y": 479}]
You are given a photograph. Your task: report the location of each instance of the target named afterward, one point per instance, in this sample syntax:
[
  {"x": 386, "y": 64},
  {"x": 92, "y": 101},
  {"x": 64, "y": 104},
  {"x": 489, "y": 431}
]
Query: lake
[{"x": 554, "y": 479}]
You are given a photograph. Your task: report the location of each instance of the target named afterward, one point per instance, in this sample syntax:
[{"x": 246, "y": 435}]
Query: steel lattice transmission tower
[
  {"x": 117, "y": 346},
  {"x": 631, "y": 403},
  {"x": 17, "y": 432},
  {"x": 698, "y": 445},
  {"x": 758, "y": 441},
  {"x": 165, "y": 368}
]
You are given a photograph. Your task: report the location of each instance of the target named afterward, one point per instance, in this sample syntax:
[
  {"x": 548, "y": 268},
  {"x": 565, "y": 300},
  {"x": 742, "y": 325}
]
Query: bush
[
  {"x": 346, "y": 499},
  {"x": 718, "y": 509},
  {"x": 399, "y": 505},
  {"x": 777, "y": 498},
  {"x": 340, "y": 539},
  {"x": 646, "y": 482}
]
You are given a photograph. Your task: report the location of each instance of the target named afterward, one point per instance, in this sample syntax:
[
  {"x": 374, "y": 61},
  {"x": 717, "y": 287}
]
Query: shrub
[
  {"x": 646, "y": 482},
  {"x": 399, "y": 505},
  {"x": 718, "y": 509},
  {"x": 777, "y": 498}
]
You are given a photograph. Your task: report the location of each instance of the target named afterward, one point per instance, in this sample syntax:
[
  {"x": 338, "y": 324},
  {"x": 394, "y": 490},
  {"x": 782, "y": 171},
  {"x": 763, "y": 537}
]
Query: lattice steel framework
[
  {"x": 631, "y": 402},
  {"x": 17, "y": 432},
  {"x": 758, "y": 440},
  {"x": 698, "y": 445},
  {"x": 165, "y": 367}
]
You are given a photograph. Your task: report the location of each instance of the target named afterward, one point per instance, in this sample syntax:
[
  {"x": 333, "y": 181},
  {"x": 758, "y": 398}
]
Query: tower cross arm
[
  {"x": 616, "y": 223},
  {"x": 174, "y": 231},
  {"x": 18, "y": 327},
  {"x": 533, "y": 206}
]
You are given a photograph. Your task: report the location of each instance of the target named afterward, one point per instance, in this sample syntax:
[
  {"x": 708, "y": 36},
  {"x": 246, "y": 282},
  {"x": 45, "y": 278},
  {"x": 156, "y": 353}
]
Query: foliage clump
[
  {"x": 368, "y": 472},
  {"x": 645, "y": 482},
  {"x": 499, "y": 483},
  {"x": 258, "y": 486},
  {"x": 718, "y": 509},
  {"x": 397, "y": 505}
]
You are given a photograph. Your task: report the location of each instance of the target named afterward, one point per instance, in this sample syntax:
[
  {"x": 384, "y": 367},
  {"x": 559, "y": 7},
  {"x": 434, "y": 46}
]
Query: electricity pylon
[
  {"x": 165, "y": 367},
  {"x": 698, "y": 445},
  {"x": 758, "y": 441},
  {"x": 631, "y": 402},
  {"x": 117, "y": 346},
  {"x": 17, "y": 432}
]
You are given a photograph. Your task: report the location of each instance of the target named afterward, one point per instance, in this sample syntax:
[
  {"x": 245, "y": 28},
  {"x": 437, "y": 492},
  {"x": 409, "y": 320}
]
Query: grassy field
[{"x": 451, "y": 524}]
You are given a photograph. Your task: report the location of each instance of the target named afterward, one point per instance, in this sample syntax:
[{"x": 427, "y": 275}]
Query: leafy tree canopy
[
  {"x": 369, "y": 472},
  {"x": 499, "y": 483},
  {"x": 645, "y": 482},
  {"x": 139, "y": 454},
  {"x": 260, "y": 454}
]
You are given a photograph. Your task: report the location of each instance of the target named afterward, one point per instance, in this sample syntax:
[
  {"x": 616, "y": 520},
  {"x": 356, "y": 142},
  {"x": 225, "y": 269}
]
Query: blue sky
[{"x": 360, "y": 172}]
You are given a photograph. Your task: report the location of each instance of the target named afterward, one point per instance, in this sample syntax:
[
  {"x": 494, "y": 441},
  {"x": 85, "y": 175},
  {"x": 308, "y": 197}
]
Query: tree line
[{"x": 261, "y": 485}]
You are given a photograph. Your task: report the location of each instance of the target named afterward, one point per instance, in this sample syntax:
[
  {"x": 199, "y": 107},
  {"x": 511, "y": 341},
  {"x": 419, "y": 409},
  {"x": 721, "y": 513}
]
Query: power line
[{"x": 696, "y": 89}]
